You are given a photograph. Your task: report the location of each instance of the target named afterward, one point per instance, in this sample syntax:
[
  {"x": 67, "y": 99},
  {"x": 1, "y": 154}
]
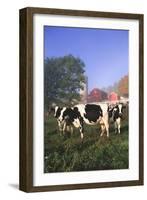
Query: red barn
[
  {"x": 97, "y": 95},
  {"x": 113, "y": 96}
]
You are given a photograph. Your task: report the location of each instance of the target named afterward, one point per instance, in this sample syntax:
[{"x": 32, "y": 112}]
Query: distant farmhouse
[
  {"x": 113, "y": 96},
  {"x": 97, "y": 95}
]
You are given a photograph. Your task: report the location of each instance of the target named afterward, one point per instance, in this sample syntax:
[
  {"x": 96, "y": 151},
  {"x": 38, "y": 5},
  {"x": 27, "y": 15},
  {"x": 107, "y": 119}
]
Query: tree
[
  {"x": 123, "y": 86},
  {"x": 63, "y": 78},
  {"x": 120, "y": 87}
]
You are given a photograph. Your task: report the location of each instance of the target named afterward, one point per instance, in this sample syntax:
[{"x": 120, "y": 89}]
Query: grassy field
[{"x": 69, "y": 153}]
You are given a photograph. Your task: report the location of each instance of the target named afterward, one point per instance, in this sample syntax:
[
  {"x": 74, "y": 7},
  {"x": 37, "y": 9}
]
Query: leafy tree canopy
[
  {"x": 123, "y": 86},
  {"x": 63, "y": 78}
]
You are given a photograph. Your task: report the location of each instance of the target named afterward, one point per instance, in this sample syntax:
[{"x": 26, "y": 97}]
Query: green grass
[{"x": 65, "y": 153}]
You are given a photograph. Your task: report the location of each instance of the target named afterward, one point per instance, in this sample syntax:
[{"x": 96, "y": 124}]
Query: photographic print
[
  {"x": 86, "y": 99},
  {"x": 81, "y": 99}
]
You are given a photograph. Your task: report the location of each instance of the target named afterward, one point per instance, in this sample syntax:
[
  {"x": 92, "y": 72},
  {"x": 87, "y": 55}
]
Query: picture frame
[{"x": 27, "y": 98}]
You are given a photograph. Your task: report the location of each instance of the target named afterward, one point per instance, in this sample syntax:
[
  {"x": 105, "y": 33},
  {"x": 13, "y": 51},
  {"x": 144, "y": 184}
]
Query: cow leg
[
  {"x": 119, "y": 128},
  {"x": 81, "y": 131},
  {"x": 71, "y": 130},
  {"x": 64, "y": 127},
  {"x": 115, "y": 126},
  {"x": 104, "y": 126},
  {"x": 102, "y": 130},
  {"x": 78, "y": 123},
  {"x": 107, "y": 130},
  {"x": 60, "y": 128},
  {"x": 118, "y": 125}
]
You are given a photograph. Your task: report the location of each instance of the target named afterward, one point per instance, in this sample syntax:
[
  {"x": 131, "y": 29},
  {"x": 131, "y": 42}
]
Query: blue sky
[{"x": 104, "y": 51}]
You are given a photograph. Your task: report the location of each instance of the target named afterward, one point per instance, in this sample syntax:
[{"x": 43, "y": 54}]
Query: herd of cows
[{"x": 91, "y": 114}]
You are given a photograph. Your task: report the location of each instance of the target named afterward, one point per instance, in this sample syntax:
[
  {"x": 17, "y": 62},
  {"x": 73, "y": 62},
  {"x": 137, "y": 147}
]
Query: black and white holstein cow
[
  {"x": 67, "y": 118},
  {"x": 115, "y": 113},
  {"x": 91, "y": 114}
]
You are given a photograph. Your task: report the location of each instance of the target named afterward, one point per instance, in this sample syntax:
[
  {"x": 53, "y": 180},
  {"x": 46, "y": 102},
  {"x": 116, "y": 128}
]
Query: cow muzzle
[{"x": 120, "y": 115}]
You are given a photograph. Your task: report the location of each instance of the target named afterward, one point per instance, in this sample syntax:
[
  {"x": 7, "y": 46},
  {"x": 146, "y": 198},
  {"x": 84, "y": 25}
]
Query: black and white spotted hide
[{"x": 115, "y": 113}]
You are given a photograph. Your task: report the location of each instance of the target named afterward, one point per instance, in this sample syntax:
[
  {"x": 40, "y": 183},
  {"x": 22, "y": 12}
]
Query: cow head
[
  {"x": 115, "y": 110},
  {"x": 58, "y": 115},
  {"x": 57, "y": 112},
  {"x": 119, "y": 110},
  {"x": 121, "y": 107},
  {"x": 110, "y": 110}
]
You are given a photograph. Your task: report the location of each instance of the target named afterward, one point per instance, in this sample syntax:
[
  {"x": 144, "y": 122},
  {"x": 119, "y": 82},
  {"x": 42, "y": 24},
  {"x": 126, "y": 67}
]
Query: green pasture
[{"x": 65, "y": 153}]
